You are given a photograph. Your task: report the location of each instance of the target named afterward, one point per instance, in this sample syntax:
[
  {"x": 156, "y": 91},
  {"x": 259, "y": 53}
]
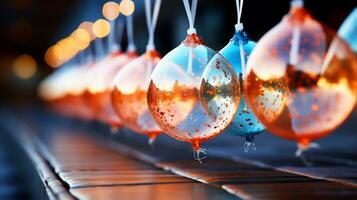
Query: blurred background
[{"x": 29, "y": 27}]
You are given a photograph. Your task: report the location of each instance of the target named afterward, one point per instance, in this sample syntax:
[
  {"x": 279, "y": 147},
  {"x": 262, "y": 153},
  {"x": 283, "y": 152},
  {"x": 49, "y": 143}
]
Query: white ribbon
[
  {"x": 297, "y": 3},
  {"x": 191, "y": 15},
  {"x": 239, "y": 25},
  {"x": 151, "y": 21},
  {"x": 99, "y": 49},
  {"x": 130, "y": 34},
  {"x": 116, "y": 29}
]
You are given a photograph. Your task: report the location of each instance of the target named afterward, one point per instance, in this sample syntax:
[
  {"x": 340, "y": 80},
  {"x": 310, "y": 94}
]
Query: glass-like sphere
[
  {"x": 175, "y": 97},
  {"x": 245, "y": 123},
  {"x": 99, "y": 89},
  {"x": 348, "y": 30},
  {"x": 74, "y": 87},
  {"x": 302, "y": 79},
  {"x": 129, "y": 95},
  {"x": 52, "y": 89}
]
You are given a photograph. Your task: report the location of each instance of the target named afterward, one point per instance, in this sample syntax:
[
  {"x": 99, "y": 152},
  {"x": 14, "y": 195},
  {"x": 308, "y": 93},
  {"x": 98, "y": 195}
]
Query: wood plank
[{"x": 177, "y": 191}]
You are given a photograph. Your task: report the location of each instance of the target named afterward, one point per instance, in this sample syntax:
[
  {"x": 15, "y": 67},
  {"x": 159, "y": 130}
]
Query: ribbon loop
[
  {"x": 239, "y": 25},
  {"x": 116, "y": 30},
  {"x": 191, "y": 15},
  {"x": 151, "y": 21},
  {"x": 130, "y": 34}
]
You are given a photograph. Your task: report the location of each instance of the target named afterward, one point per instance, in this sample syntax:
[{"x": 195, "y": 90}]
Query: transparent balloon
[
  {"x": 53, "y": 93},
  {"x": 98, "y": 95},
  {"x": 302, "y": 79},
  {"x": 175, "y": 97},
  {"x": 74, "y": 87},
  {"x": 129, "y": 95},
  {"x": 245, "y": 123},
  {"x": 62, "y": 91},
  {"x": 348, "y": 30}
]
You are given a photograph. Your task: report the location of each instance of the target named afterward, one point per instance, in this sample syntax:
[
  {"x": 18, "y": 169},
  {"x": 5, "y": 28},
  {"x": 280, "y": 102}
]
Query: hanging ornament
[
  {"x": 99, "y": 88},
  {"x": 83, "y": 78},
  {"x": 302, "y": 79},
  {"x": 52, "y": 89},
  {"x": 237, "y": 51},
  {"x": 74, "y": 84},
  {"x": 174, "y": 93},
  {"x": 61, "y": 90},
  {"x": 348, "y": 30},
  {"x": 131, "y": 85}
]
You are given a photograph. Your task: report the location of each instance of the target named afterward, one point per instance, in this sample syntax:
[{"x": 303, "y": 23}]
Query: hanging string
[
  {"x": 193, "y": 10},
  {"x": 300, "y": 152},
  {"x": 120, "y": 30},
  {"x": 116, "y": 30},
  {"x": 151, "y": 21},
  {"x": 148, "y": 14},
  {"x": 110, "y": 40},
  {"x": 130, "y": 34},
  {"x": 99, "y": 49},
  {"x": 297, "y": 3},
  {"x": 295, "y": 45},
  {"x": 242, "y": 58},
  {"x": 191, "y": 15},
  {"x": 239, "y": 25}
]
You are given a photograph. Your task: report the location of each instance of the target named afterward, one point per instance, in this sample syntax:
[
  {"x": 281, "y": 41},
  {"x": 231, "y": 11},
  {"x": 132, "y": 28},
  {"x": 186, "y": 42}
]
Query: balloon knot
[
  {"x": 302, "y": 148},
  {"x": 249, "y": 145},
  {"x": 240, "y": 36},
  {"x": 199, "y": 155}
]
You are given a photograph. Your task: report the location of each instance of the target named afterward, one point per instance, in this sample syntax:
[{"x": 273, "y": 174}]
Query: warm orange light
[
  {"x": 82, "y": 38},
  {"x": 101, "y": 28},
  {"x": 127, "y": 7},
  {"x": 65, "y": 49},
  {"x": 24, "y": 66},
  {"x": 68, "y": 48},
  {"x": 88, "y": 26},
  {"x": 111, "y": 10},
  {"x": 54, "y": 57}
]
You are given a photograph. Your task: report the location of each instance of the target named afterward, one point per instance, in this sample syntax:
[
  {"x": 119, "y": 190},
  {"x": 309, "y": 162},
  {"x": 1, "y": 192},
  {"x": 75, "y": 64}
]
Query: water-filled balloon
[
  {"x": 99, "y": 88},
  {"x": 245, "y": 123},
  {"x": 175, "y": 97},
  {"x": 129, "y": 95},
  {"x": 302, "y": 79}
]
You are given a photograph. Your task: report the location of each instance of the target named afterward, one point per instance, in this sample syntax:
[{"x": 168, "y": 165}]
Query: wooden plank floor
[
  {"x": 90, "y": 170},
  {"x": 95, "y": 166}
]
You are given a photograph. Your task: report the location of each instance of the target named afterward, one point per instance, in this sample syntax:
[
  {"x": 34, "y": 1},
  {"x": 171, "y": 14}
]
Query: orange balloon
[
  {"x": 98, "y": 94},
  {"x": 129, "y": 95},
  {"x": 63, "y": 91},
  {"x": 74, "y": 102},
  {"x": 188, "y": 75},
  {"x": 302, "y": 79}
]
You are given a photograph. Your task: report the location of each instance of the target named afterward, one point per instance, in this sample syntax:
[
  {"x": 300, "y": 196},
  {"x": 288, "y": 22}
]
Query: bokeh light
[
  {"x": 127, "y": 7},
  {"x": 53, "y": 56},
  {"x": 101, "y": 28},
  {"x": 68, "y": 48},
  {"x": 111, "y": 10},
  {"x": 88, "y": 26},
  {"x": 82, "y": 38},
  {"x": 24, "y": 66}
]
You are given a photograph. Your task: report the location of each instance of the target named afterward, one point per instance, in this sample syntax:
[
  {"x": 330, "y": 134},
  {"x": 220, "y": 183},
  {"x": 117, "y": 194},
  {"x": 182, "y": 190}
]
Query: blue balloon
[
  {"x": 245, "y": 123},
  {"x": 348, "y": 30}
]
